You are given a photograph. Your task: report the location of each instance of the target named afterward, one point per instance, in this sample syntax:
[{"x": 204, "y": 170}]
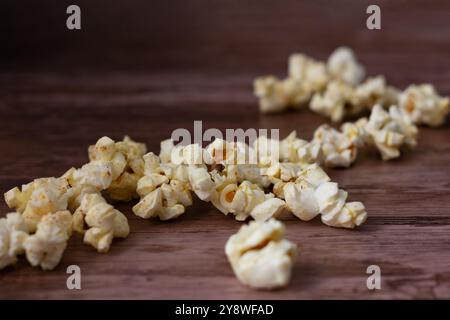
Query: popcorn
[
  {"x": 293, "y": 149},
  {"x": 334, "y": 102},
  {"x": 312, "y": 74},
  {"x": 312, "y": 194},
  {"x": 164, "y": 189},
  {"x": 371, "y": 92},
  {"x": 390, "y": 131},
  {"x": 46, "y": 247},
  {"x": 248, "y": 199},
  {"x": 260, "y": 258},
  {"x": 103, "y": 221},
  {"x": 338, "y": 149},
  {"x": 343, "y": 65},
  {"x": 39, "y": 198},
  {"x": 423, "y": 104},
  {"x": 13, "y": 232}
]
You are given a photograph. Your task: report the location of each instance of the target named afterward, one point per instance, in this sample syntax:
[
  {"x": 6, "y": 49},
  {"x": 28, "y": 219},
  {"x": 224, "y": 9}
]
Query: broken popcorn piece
[{"x": 260, "y": 258}]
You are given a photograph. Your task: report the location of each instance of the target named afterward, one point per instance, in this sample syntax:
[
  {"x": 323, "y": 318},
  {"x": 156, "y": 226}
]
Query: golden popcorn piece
[
  {"x": 13, "y": 232},
  {"x": 259, "y": 257},
  {"x": 390, "y": 131},
  {"x": 371, "y": 92},
  {"x": 424, "y": 105},
  {"x": 39, "y": 198},
  {"x": 103, "y": 221},
  {"x": 46, "y": 247}
]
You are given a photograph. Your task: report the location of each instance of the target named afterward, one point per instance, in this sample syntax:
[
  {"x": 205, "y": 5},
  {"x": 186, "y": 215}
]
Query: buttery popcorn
[
  {"x": 342, "y": 65},
  {"x": 13, "y": 232},
  {"x": 423, "y": 104},
  {"x": 46, "y": 247},
  {"x": 389, "y": 131},
  {"x": 260, "y": 258},
  {"x": 164, "y": 189},
  {"x": 371, "y": 92},
  {"x": 312, "y": 74},
  {"x": 39, "y": 198},
  {"x": 103, "y": 222}
]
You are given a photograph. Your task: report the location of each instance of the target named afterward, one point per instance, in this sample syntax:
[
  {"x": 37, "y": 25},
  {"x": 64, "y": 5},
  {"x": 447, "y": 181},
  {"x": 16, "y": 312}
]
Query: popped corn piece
[
  {"x": 373, "y": 91},
  {"x": 165, "y": 153},
  {"x": 312, "y": 194},
  {"x": 13, "y": 232},
  {"x": 258, "y": 255},
  {"x": 247, "y": 199},
  {"x": 164, "y": 189},
  {"x": 201, "y": 183},
  {"x": 342, "y": 64},
  {"x": 389, "y": 131},
  {"x": 293, "y": 149},
  {"x": 312, "y": 74},
  {"x": 334, "y": 101},
  {"x": 38, "y": 198},
  {"x": 337, "y": 148},
  {"x": 271, "y": 93},
  {"x": 46, "y": 247},
  {"x": 335, "y": 211},
  {"x": 424, "y": 105},
  {"x": 103, "y": 221}
]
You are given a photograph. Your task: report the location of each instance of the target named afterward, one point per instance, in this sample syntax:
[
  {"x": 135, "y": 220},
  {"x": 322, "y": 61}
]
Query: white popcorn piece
[
  {"x": 293, "y": 149},
  {"x": 39, "y": 198},
  {"x": 424, "y": 105},
  {"x": 338, "y": 149},
  {"x": 312, "y": 194},
  {"x": 389, "y": 131},
  {"x": 247, "y": 199},
  {"x": 312, "y": 74},
  {"x": 13, "y": 232},
  {"x": 259, "y": 257},
  {"x": 46, "y": 247},
  {"x": 164, "y": 189},
  {"x": 342, "y": 65},
  {"x": 334, "y": 101},
  {"x": 371, "y": 92},
  {"x": 103, "y": 222}
]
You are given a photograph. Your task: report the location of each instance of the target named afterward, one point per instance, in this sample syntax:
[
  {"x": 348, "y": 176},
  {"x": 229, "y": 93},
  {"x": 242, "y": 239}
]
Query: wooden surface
[{"x": 146, "y": 84}]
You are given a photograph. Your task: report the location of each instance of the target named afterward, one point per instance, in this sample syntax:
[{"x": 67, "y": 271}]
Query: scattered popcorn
[
  {"x": 312, "y": 74},
  {"x": 423, "y": 104},
  {"x": 46, "y": 247},
  {"x": 103, "y": 221},
  {"x": 343, "y": 65},
  {"x": 164, "y": 189},
  {"x": 389, "y": 131},
  {"x": 39, "y": 198},
  {"x": 13, "y": 232},
  {"x": 371, "y": 92},
  {"x": 260, "y": 258}
]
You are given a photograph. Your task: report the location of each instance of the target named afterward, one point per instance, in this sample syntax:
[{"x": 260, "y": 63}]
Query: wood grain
[{"x": 53, "y": 105}]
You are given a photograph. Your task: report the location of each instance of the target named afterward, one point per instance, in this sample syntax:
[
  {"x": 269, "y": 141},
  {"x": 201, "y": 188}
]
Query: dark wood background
[{"x": 144, "y": 68}]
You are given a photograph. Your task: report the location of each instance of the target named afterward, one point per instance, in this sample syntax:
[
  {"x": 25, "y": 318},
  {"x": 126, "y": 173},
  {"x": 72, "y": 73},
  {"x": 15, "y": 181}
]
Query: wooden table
[{"x": 52, "y": 107}]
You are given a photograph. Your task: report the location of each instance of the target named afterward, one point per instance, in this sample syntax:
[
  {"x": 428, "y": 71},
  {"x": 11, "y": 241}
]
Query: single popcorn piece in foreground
[
  {"x": 13, "y": 232},
  {"x": 423, "y": 104},
  {"x": 39, "y": 198},
  {"x": 390, "y": 131},
  {"x": 260, "y": 258},
  {"x": 46, "y": 247},
  {"x": 103, "y": 222},
  {"x": 342, "y": 64}
]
